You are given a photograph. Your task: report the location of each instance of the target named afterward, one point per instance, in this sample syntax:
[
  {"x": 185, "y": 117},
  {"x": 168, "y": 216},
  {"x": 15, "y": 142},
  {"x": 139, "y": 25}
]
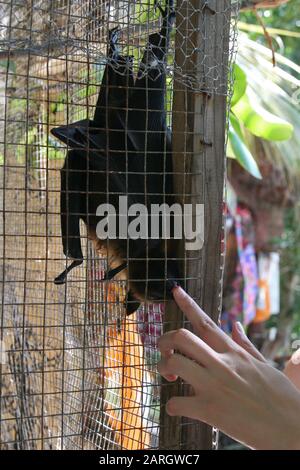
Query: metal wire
[{"x": 78, "y": 375}]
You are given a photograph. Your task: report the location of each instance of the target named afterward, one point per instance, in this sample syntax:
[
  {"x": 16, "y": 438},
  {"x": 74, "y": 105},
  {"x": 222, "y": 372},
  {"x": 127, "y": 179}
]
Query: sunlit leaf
[
  {"x": 240, "y": 84},
  {"x": 236, "y": 125},
  {"x": 144, "y": 12},
  {"x": 242, "y": 154},
  {"x": 260, "y": 122}
]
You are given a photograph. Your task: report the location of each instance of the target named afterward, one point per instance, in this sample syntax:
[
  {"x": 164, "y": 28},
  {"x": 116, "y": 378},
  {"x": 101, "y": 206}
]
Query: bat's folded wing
[
  {"x": 71, "y": 134},
  {"x": 71, "y": 206},
  {"x": 81, "y": 135}
]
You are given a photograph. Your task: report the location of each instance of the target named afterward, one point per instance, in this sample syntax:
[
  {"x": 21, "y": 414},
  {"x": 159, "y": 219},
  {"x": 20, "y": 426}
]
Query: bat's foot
[
  {"x": 61, "y": 279},
  {"x": 109, "y": 275},
  {"x": 169, "y": 16},
  {"x": 158, "y": 6},
  {"x": 131, "y": 304},
  {"x": 114, "y": 36},
  {"x": 168, "y": 12}
]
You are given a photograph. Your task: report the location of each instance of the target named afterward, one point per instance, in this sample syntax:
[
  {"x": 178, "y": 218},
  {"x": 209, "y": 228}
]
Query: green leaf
[
  {"x": 240, "y": 84},
  {"x": 241, "y": 152},
  {"x": 8, "y": 64},
  {"x": 145, "y": 12},
  {"x": 260, "y": 122},
  {"x": 229, "y": 150},
  {"x": 236, "y": 125}
]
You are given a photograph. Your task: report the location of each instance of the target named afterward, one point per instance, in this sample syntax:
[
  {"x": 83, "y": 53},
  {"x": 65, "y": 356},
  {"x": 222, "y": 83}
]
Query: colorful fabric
[
  {"x": 241, "y": 295},
  {"x": 149, "y": 324}
]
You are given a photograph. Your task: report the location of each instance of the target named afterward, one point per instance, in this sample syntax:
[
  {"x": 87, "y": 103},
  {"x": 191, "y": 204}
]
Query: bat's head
[{"x": 153, "y": 279}]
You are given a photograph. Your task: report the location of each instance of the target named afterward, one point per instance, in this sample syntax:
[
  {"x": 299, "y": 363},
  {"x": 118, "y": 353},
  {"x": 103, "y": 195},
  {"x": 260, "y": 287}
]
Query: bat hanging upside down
[{"x": 125, "y": 150}]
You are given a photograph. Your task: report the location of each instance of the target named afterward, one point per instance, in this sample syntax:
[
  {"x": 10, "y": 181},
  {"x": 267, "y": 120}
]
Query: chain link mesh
[{"x": 78, "y": 374}]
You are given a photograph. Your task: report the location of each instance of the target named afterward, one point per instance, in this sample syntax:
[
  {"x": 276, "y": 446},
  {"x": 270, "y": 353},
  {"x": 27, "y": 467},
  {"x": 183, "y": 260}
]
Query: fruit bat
[{"x": 125, "y": 150}]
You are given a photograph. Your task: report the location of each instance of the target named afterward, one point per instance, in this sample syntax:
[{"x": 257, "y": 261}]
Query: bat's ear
[{"x": 131, "y": 303}]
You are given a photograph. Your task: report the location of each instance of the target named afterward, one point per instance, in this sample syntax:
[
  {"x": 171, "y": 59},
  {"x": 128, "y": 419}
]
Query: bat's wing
[
  {"x": 116, "y": 84},
  {"x": 113, "y": 100},
  {"x": 147, "y": 118},
  {"x": 73, "y": 187},
  {"x": 72, "y": 134},
  {"x": 86, "y": 184},
  {"x": 150, "y": 140},
  {"x": 107, "y": 130}
]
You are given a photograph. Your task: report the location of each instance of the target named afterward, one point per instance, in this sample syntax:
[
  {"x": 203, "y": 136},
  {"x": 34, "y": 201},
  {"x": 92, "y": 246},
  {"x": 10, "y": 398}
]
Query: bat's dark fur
[{"x": 125, "y": 150}]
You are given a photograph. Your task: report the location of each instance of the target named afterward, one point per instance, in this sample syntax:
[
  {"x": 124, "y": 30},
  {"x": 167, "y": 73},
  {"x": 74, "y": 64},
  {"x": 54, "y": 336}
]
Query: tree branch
[{"x": 249, "y": 4}]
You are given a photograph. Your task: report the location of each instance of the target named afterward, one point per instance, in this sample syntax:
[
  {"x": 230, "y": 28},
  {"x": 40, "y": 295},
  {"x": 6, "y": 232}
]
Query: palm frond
[{"x": 277, "y": 89}]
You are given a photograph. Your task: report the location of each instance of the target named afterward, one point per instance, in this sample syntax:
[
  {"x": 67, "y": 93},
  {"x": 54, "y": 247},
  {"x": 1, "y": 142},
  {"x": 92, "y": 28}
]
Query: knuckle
[
  {"x": 234, "y": 362},
  {"x": 206, "y": 324},
  {"x": 229, "y": 363},
  {"x": 167, "y": 366},
  {"x": 226, "y": 360},
  {"x": 243, "y": 354},
  {"x": 172, "y": 362},
  {"x": 186, "y": 299},
  {"x": 189, "y": 303},
  {"x": 245, "y": 342},
  {"x": 180, "y": 335},
  {"x": 171, "y": 406}
]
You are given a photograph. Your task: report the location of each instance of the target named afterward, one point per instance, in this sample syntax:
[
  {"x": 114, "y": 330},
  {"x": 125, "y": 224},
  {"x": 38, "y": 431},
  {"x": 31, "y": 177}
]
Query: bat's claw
[
  {"x": 114, "y": 36},
  {"x": 62, "y": 278},
  {"x": 168, "y": 12},
  {"x": 158, "y": 6}
]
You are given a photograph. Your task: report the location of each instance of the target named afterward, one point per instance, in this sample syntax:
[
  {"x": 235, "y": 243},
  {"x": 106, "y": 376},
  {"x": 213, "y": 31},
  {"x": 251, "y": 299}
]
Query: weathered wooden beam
[{"x": 199, "y": 128}]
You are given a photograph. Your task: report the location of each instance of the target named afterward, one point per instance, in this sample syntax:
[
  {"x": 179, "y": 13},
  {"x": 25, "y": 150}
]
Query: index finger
[{"x": 207, "y": 329}]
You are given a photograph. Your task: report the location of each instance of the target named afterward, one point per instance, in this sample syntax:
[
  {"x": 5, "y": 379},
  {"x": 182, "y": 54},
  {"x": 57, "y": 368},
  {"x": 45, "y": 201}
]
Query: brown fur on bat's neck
[
  {"x": 151, "y": 260},
  {"x": 134, "y": 274},
  {"x": 110, "y": 250}
]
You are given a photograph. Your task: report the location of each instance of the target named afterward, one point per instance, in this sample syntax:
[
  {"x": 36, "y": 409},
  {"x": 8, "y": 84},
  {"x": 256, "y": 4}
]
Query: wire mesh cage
[{"x": 76, "y": 371}]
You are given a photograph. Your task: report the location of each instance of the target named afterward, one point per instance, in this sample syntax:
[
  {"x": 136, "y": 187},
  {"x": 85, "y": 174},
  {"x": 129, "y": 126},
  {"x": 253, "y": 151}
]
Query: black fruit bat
[{"x": 125, "y": 150}]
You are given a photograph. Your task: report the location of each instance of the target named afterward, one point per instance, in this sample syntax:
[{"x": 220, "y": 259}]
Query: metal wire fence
[{"x": 77, "y": 373}]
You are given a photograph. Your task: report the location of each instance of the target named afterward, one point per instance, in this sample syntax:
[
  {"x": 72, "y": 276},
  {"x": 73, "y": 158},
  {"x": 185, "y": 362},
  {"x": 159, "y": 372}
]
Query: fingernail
[
  {"x": 179, "y": 291},
  {"x": 240, "y": 328},
  {"x": 176, "y": 290},
  {"x": 171, "y": 378},
  {"x": 296, "y": 358}
]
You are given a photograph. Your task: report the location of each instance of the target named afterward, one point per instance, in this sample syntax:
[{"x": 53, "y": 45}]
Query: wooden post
[{"x": 199, "y": 125}]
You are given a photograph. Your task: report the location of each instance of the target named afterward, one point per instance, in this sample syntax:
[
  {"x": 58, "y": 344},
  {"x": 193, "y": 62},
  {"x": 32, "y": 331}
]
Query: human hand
[
  {"x": 234, "y": 389},
  {"x": 292, "y": 368}
]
